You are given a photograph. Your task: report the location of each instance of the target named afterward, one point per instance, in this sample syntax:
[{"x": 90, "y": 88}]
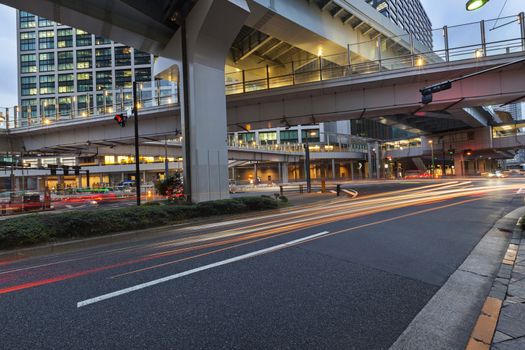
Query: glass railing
[
  {"x": 460, "y": 42},
  {"x": 109, "y": 102}
]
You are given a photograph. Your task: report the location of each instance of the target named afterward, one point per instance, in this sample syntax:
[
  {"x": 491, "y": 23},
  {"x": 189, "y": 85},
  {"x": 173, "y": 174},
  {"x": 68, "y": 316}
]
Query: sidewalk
[{"x": 510, "y": 331}]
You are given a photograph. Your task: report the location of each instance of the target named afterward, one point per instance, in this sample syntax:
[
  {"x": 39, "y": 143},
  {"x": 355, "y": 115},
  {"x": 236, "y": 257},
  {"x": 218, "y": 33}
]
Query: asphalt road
[{"x": 339, "y": 275}]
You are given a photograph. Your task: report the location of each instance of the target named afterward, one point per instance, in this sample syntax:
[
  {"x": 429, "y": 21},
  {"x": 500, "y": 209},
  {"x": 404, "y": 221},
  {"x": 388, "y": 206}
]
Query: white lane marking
[
  {"x": 198, "y": 269},
  {"x": 521, "y": 191}
]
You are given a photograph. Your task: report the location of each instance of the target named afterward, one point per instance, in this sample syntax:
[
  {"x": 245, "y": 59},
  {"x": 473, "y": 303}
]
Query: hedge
[{"x": 43, "y": 228}]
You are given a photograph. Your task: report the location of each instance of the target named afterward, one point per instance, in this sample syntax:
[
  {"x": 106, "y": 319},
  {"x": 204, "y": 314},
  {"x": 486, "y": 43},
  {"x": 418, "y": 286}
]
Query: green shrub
[{"x": 33, "y": 229}]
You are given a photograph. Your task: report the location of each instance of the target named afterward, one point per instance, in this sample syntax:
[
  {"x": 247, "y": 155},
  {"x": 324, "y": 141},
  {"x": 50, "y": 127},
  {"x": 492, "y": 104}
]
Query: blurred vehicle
[
  {"x": 497, "y": 174},
  {"x": 417, "y": 174}
]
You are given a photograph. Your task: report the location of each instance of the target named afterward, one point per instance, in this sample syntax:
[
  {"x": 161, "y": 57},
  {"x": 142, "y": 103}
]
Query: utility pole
[
  {"x": 307, "y": 163},
  {"x": 137, "y": 153}
]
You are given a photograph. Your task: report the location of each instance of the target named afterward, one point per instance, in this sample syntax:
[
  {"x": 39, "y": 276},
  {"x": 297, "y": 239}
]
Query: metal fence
[{"x": 450, "y": 43}]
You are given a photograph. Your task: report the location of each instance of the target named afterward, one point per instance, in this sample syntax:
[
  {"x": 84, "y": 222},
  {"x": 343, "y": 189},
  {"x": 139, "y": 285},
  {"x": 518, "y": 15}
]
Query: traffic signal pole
[{"x": 137, "y": 153}]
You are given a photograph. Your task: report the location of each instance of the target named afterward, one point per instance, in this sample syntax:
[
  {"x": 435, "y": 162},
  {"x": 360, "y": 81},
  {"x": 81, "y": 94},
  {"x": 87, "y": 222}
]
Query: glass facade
[
  {"x": 28, "y": 63},
  {"x": 27, "y": 41},
  {"x": 66, "y": 71},
  {"x": 46, "y": 39},
  {"x": 84, "y": 59},
  {"x": 64, "y": 38},
  {"x": 65, "y": 60},
  {"x": 46, "y": 61}
]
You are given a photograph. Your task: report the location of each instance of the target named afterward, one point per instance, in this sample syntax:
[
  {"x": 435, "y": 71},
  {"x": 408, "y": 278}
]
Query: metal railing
[
  {"x": 450, "y": 43},
  {"x": 110, "y": 102}
]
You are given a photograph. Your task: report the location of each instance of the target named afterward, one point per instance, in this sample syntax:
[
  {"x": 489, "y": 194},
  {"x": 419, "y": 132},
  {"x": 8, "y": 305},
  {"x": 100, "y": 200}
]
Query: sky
[{"x": 440, "y": 12}]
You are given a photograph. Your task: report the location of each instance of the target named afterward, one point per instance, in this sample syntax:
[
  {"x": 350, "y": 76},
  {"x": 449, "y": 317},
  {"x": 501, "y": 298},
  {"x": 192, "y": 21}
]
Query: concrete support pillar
[
  {"x": 352, "y": 171},
  {"x": 284, "y": 172},
  {"x": 199, "y": 49},
  {"x": 459, "y": 164},
  {"x": 333, "y": 170},
  {"x": 208, "y": 40},
  {"x": 369, "y": 158},
  {"x": 378, "y": 160}
]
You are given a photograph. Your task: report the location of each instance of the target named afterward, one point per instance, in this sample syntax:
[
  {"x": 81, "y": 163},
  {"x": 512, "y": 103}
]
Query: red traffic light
[{"x": 121, "y": 119}]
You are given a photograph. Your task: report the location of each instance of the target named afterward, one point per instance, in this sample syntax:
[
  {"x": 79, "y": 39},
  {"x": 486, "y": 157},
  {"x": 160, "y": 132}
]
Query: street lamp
[
  {"x": 431, "y": 143},
  {"x": 307, "y": 160},
  {"x": 472, "y": 5}
]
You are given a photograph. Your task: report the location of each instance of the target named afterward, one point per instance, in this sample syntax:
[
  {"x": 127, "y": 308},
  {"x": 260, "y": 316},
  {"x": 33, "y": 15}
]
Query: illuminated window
[
  {"x": 27, "y": 20},
  {"x": 103, "y": 57},
  {"x": 123, "y": 78},
  {"x": 65, "y": 83},
  {"x": 28, "y": 63},
  {"x": 46, "y": 62},
  {"x": 46, "y": 39},
  {"x": 84, "y": 59},
  {"x": 84, "y": 82},
  {"x": 47, "y": 84},
  {"x": 65, "y": 60},
  {"x": 64, "y": 37},
  {"x": 83, "y": 38},
  {"x": 27, "y": 41},
  {"x": 104, "y": 80},
  {"x": 123, "y": 56},
  {"x": 28, "y": 86}
]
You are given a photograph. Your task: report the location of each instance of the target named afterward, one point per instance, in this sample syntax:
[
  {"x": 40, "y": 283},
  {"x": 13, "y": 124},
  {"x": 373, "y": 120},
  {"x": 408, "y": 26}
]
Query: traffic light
[
  {"x": 426, "y": 93},
  {"x": 451, "y": 151},
  {"x": 121, "y": 119}
]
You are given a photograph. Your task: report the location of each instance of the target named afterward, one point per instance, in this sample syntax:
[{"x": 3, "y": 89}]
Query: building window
[
  {"x": 268, "y": 138},
  {"x": 65, "y": 83},
  {"x": 123, "y": 78},
  {"x": 102, "y": 41},
  {"x": 246, "y": 138},
  {"x": 42, "y": 22},
  {"x": 64, "y": 106},
  {"x": 27, "y": 20},
  {"x": 28, "y": 110},
  {"x": 142, "y": 57},
  {"x": 143, "y": 74},
  {"x": 64, "y": 37},
  {"x": 84, "y": 59},
  {"x": 84, "y": 82},
  {"x": 104, "y": 80},
  {"x": 47, "y": 84},
  {"x": 83, "y": 38},
  {"x": 84, "y": 103},
  {"x": 103, "y": 57},
  {"x": 46, "y": 39},
  {"x": 312, "y": 134},
  {"x": 27, "y": 41},
  {"x": 46, "y": 62},
  {"x": 48, "y": 107},
  {"x": 28, "y": 86},
  {"x": 122, "y": 56},
  {"x": 65, "y": 60},
  {"x": 289, "y": 136},
  {"x": 28, "y": 63}
]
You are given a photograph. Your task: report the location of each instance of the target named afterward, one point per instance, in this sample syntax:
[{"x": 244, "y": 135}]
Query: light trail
[{"x": 297, "y": 220}]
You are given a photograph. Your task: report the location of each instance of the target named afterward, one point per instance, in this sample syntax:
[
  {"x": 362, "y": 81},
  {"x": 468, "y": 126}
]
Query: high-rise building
[
  {"x": 66, "y": 72},
  {"x": 408, "y": 15}
]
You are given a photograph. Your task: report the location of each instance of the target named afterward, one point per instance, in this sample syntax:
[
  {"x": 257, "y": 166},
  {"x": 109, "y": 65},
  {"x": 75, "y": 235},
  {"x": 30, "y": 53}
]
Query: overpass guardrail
[{"x": 450, "y": 43}]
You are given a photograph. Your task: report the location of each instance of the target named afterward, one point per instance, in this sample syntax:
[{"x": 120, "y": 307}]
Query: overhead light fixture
[{"x": 475, "y": 4}]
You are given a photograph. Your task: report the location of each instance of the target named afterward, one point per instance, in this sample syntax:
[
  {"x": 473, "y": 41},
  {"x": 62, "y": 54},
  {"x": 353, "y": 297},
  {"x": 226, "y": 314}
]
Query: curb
[
  {"x": 447, "y": 320},
  {"x": 483, "y": 332}
]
